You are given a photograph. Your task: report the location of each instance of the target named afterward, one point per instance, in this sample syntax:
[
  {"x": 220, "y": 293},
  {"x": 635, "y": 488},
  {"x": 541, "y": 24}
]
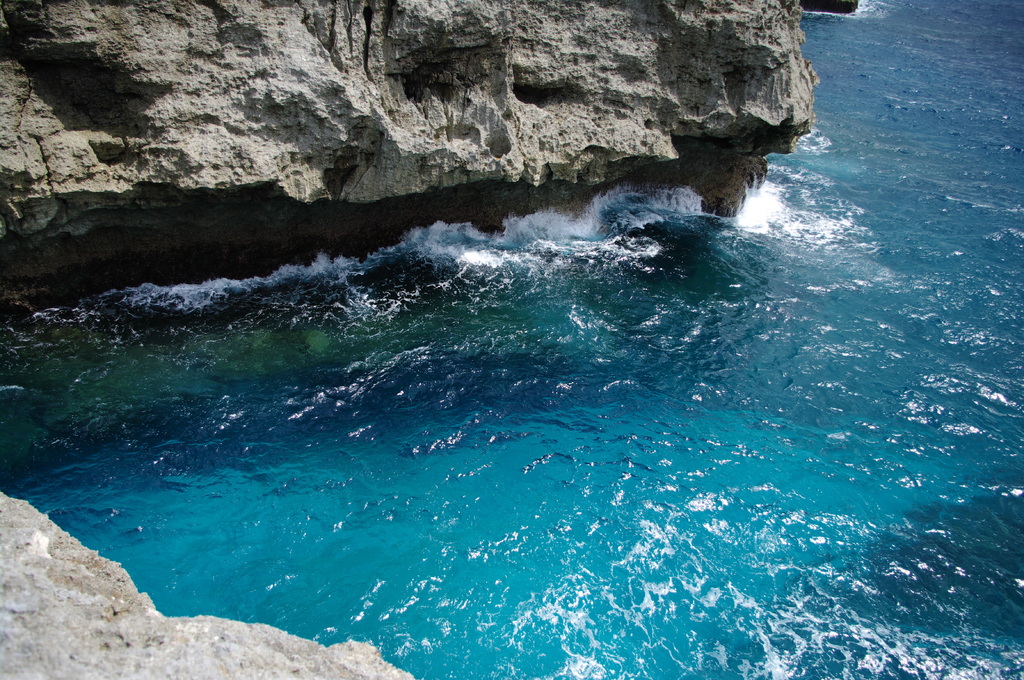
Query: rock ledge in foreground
[{"x": 67, "y": 612}]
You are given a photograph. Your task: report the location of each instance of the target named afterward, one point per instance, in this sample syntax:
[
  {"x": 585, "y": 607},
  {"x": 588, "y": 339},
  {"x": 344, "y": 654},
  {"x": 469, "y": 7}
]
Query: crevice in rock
[
  {"x": 337, "y": 177},
  {"x": 368, "y": 20},
  {"x": 352, "y": 162},
  {"x": 735, "y": 82},
  {"x": 538, "y": 96},
  {"x": 448, "y": 73},
  {"x": 429, "y": 78},
  {"x": 24, "y": 106},
  {"x": 330, "y": 41},
  {"x": 349, "y": 18},
  {"x": 499, "y": 144},
  {"x": 332, "y": 37},
  {"x": 46, "y": 162},
  {"x": 346, "y": 165},
  {"x": 389, "y": 15}
]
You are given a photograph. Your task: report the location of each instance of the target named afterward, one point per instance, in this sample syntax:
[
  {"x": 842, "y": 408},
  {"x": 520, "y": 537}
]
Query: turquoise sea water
[{"x": 644, "y": 443}]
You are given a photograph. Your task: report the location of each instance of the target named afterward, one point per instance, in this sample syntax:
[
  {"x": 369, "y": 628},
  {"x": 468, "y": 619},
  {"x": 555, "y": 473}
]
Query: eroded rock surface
[
  {"x": 173, "y": 121},
  {"x": 66, "y": 612}
]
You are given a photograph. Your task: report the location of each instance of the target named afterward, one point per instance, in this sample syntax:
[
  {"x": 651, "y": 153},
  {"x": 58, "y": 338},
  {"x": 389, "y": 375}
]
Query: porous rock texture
[
  {"x": 67, "y": 613},
  {"x": 171, "y": 140}
]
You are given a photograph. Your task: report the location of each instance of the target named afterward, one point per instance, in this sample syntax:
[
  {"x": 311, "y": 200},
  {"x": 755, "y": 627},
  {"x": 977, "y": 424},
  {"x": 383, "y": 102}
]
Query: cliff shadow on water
[
  {"x": 244, "y": 233},
  {"x": 159, "y": 359}
]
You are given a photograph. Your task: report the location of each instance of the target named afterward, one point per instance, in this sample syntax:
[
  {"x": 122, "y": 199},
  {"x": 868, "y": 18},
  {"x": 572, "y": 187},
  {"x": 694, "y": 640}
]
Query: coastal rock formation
[
  {"x": 177, "y": 139},
  {"x": 66, "y": 612}
]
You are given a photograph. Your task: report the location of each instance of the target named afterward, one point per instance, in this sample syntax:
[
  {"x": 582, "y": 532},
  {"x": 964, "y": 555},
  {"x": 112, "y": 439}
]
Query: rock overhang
[{"x": 127, "y": 118}]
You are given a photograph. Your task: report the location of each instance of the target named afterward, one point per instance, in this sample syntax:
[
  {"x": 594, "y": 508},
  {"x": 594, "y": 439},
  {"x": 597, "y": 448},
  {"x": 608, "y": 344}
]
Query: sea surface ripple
[{"x": 641, "y": 442}]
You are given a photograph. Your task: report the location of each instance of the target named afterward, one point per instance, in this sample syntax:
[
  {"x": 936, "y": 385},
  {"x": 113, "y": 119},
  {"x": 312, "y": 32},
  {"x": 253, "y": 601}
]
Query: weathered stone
[
  {"x": 68, "y": 613},
  {"x": 139, "y": 117}
]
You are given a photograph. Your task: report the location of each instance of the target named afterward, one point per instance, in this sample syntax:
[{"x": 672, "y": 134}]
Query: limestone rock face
[
  {"x": 112, "y": 107},
  {"x": 66, "y": 612}
]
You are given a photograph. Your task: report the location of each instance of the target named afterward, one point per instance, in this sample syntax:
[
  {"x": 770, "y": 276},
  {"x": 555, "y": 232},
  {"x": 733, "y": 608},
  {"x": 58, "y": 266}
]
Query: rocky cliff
[
  {"x": 66, "y": 612},
  {"x": 172, "y": 140}
]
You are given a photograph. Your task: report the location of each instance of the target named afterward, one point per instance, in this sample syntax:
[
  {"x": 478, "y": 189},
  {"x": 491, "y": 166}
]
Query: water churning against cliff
[{"x": 639, "y": 443}]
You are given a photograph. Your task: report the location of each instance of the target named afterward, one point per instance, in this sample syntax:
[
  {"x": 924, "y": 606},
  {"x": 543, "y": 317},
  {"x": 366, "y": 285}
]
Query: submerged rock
[
  {"x": 174, "y": 140},
  {"x": 68, "y": 613}
]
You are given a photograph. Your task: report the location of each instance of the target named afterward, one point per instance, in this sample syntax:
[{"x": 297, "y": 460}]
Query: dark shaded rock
[
  {"x": 832, "y": 6},
  {"x": 170, "y": 236}
]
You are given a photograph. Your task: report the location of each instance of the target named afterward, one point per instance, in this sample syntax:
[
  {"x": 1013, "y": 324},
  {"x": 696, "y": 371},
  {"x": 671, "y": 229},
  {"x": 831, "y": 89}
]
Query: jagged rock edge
[{"x": 68, "y": 613}]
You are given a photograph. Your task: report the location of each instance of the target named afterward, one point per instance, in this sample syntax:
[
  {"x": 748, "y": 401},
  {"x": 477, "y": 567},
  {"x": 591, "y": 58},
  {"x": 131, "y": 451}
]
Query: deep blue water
[{"x": 645, "y": 443}]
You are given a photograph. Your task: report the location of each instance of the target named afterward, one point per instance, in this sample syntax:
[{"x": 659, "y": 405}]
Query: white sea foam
[
  {"x": 769, "y": 210},
  {"x": 763, "y": 208},
  {"x": 539, "y": 244},
  {"x": 804, "y": 632},
  {"x": 865, "y": 8},
  {"x": 610, "y": 230},
  {"x": 581, "y": 667},
  {"x": 548, "y": 237},
  {"x": 190, "y": 297},
  {"x": 874, "y": 9},
  {"x": 814, "y": 143}
]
